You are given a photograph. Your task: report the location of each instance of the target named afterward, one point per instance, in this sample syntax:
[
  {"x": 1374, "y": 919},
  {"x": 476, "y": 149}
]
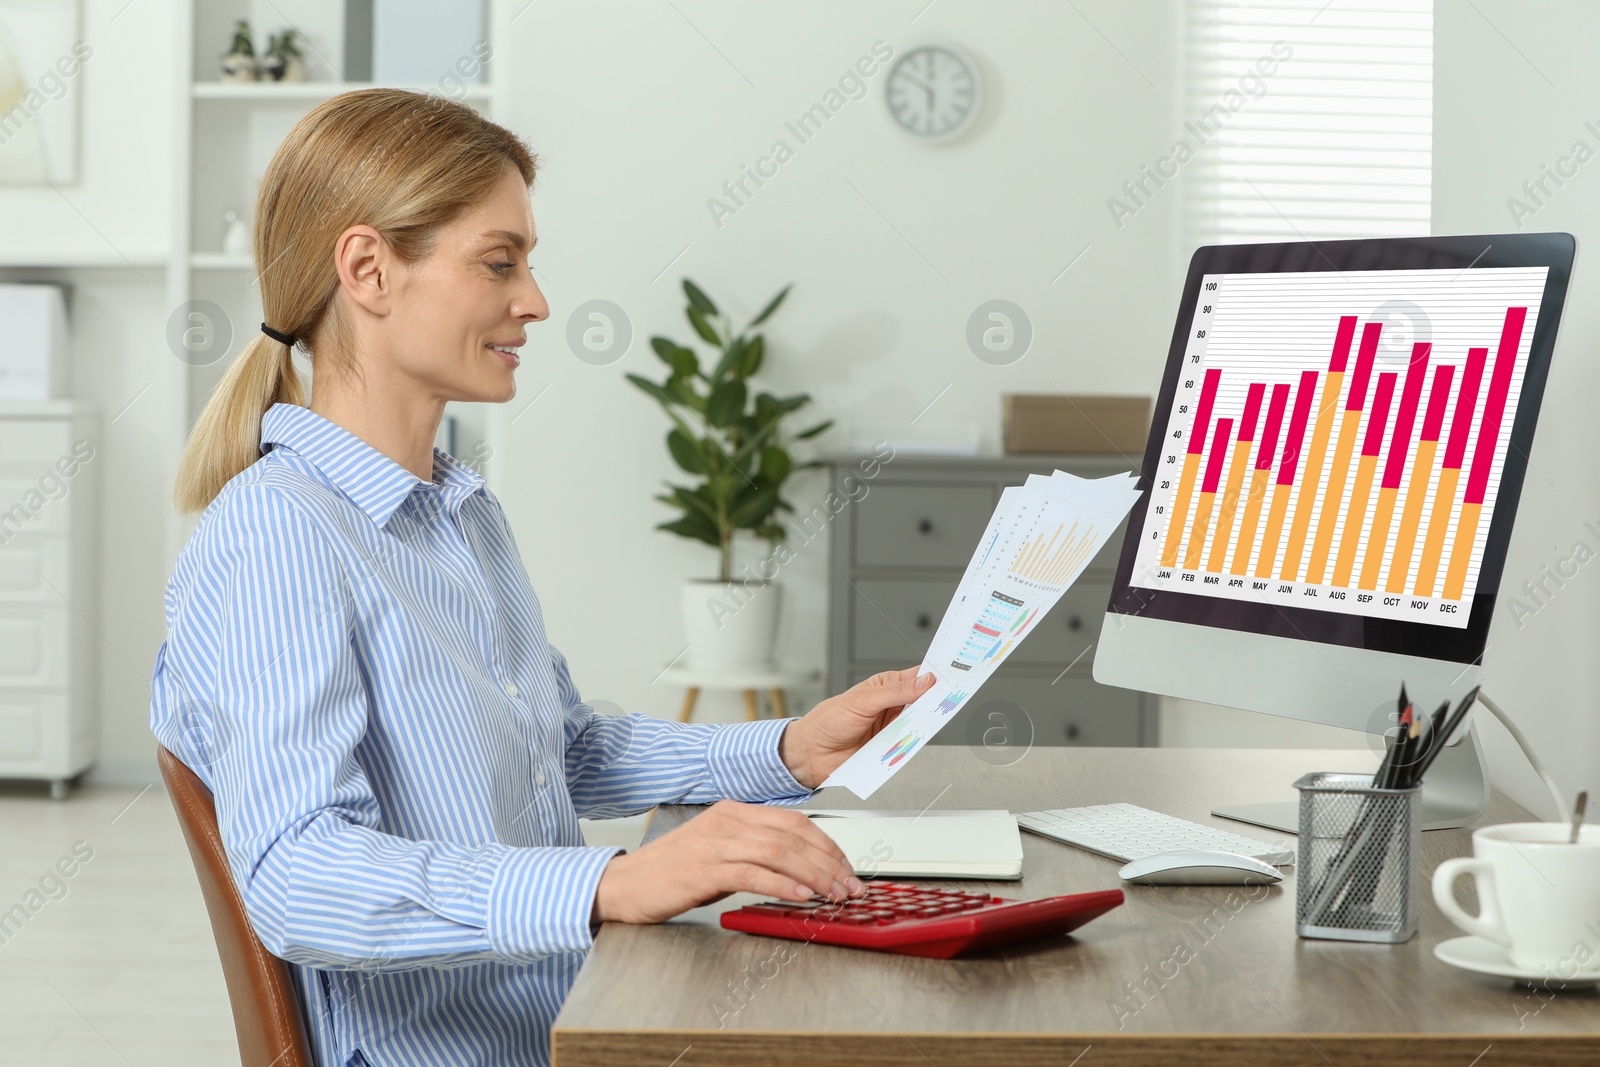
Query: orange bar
[
  {"x": 1269, "y": 543},
  {"x": 1382, "y": 519},
  {"x": 1338, "y": 474},
  {"x": 1180, "y": 509},
  {"x": 1252, "y": 518},
  {"x": 1410, "y": 518},
  {"x": 1038, "y": 552},
  {"x": 1230, "y": 504},
  {"x": 1361, "y": 493},
  {"x": 1197, "y": 536},
  {"x": 1438, "y": 518},
  {"x": 1308, "y": 485},
  {"x": 1455, "y": 578},
  {"x": 1366, "y": 470}
]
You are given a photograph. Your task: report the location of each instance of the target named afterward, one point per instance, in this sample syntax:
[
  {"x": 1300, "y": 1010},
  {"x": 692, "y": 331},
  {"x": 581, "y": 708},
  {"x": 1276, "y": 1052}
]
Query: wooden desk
[{"x": 1190, "y": 976}]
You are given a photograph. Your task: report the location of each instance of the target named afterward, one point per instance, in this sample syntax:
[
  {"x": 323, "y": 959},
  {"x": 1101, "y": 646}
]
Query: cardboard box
[
  {"x": 33, "y": 342},
  {"x": 1117, "y": 425}
]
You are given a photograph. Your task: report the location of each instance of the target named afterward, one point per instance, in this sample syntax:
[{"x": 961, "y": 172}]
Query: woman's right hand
[{"x": 729, "y": 848}]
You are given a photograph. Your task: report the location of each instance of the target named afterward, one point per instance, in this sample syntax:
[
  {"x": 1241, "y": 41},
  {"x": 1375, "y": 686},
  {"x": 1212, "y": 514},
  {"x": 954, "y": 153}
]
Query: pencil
[{"x": 1444, "y": 732}]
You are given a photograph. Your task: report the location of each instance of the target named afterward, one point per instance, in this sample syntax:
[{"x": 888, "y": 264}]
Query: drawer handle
[
  {"x": 924, "y": 621},
  {"x": 924, "y": 526},
  {"x": 1072, "y": 731},
  {"x": 1074, "y": 622}
]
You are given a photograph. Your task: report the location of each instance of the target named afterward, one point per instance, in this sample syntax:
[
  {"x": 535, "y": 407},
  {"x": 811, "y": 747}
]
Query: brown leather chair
[{"x": 266, "y": 1013}]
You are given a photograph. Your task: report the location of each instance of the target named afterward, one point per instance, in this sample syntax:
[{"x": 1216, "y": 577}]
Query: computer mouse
[{"x": 1199, "y": 867}]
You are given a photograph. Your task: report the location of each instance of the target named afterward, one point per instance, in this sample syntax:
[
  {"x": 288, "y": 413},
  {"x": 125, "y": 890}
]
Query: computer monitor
[{"x": 1331, "y": 478}]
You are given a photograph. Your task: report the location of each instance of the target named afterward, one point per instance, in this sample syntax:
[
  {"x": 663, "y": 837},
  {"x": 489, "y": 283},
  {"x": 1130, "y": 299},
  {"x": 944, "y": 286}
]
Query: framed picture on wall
[{"x": 41, "y": 62}]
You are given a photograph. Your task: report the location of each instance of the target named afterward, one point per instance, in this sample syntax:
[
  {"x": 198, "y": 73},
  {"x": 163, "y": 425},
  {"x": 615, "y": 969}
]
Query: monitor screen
[{"x": 1341, "y": 437}]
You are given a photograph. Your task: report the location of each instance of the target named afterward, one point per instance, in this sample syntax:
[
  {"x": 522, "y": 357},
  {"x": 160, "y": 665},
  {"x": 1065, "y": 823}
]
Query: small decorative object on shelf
[
  {"x": 239, "y": 65},
  {"x": 236, "y": 238},
  {"x": 284, "y": 61}
]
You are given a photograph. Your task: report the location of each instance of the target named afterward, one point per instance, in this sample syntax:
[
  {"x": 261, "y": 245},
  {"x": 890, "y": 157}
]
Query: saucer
[{"x": 1486, "y": 957}]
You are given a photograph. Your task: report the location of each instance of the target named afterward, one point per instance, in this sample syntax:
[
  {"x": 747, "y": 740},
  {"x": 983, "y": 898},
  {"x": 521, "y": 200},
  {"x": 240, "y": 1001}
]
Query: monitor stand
[{"x": 1453, "y": 794}]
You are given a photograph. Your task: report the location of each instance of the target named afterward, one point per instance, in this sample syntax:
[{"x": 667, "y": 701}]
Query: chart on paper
[
  {"x": 1039, "y": 539},
  {"x": 1336, "y": 439}
]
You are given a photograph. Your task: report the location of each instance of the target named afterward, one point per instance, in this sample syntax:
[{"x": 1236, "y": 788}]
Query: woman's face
[{"x": 458, "y": 314}]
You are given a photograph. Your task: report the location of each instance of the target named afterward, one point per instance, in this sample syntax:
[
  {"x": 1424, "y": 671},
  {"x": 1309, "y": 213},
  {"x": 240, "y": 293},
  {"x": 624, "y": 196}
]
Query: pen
[
  {"x": 1381, "y": 775},
  {"x": 1408, "y": 769},
  {"x": 1444, "y": 732},
  {"x": 1397, "y": 755}
]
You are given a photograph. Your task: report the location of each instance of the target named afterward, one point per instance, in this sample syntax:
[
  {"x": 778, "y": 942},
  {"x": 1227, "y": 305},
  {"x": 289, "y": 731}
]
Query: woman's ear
[{"x": 365, "y": 263}]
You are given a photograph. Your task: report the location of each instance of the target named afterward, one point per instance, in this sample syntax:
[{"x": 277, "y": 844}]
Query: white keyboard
[{"x": 1127, "y": 832}]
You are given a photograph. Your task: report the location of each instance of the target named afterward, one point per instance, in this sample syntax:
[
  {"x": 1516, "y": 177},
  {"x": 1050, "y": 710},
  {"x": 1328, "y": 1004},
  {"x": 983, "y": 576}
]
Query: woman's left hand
[{"x": 814, "y": 745}]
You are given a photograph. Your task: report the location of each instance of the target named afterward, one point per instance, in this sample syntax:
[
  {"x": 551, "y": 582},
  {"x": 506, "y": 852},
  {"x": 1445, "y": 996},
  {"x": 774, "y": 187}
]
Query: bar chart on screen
[{"x": 1336, "y": 439}]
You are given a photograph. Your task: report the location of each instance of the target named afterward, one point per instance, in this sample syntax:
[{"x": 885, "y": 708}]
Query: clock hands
[{"x": 924, "y": 86}]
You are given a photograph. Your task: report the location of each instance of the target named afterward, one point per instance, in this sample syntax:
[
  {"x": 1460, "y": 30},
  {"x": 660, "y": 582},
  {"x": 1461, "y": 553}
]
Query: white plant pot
[{"x": 730, "y": 625}]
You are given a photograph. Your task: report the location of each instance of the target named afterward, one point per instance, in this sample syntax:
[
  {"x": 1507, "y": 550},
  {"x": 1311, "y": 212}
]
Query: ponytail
[
  {"x": 227, "y": 436},
  {"x": 404, "y": 163}
]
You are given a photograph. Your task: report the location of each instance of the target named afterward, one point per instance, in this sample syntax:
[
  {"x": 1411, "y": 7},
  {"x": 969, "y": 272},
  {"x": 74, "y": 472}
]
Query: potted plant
[
  {"x": 239, "y": 65},
  {"x": 728, "y": 437},
  {"x": 284, "y": 62}
]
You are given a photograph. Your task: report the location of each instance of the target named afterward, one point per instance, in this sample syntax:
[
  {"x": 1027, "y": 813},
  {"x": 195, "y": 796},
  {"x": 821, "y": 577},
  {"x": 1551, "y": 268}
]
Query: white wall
[
  {"x": 1514, "y": 84},
  {"x": 117, "y": 211},
  {"x": 640, "y": 120}
]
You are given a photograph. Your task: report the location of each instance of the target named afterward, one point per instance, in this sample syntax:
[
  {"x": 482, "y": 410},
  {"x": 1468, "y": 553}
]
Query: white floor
[{"x": 115, "y": 965}]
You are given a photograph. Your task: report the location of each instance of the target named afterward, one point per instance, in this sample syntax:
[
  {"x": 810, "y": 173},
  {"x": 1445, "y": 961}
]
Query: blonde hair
[{"x": 404, "y": 163}]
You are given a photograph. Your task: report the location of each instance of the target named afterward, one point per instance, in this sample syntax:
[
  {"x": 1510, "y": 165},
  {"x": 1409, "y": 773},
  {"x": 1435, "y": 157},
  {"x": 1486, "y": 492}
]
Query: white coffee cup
[{"x": 1538, "y": 896}]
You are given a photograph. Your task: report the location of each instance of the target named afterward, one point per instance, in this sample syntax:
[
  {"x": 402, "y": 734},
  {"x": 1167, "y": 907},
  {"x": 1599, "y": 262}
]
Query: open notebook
[{"x": 931, "y": 844}]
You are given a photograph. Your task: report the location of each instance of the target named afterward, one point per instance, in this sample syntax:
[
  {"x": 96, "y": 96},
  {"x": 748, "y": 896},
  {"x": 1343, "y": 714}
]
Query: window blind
[{"x": 1315, "y": 119}]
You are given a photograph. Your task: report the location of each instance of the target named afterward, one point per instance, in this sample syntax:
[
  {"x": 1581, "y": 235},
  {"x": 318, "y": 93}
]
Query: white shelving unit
[
  {"x": 49, "y": 591},
  {"x": 227, "y": 133}
]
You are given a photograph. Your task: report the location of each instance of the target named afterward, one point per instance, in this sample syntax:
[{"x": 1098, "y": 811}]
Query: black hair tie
[{"x": 281, "y": 338}]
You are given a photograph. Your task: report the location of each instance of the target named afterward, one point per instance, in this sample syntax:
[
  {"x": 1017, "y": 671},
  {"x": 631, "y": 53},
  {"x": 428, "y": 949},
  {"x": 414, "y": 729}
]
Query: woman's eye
[{"x": 501, "y": 268}]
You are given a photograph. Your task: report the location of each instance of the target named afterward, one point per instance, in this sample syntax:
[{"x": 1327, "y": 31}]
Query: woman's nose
[{"x": 530, "y": 303}]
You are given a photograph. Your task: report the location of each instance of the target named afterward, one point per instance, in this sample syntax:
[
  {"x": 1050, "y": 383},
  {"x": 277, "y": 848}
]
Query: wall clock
[{"x": 933, "y": 92}]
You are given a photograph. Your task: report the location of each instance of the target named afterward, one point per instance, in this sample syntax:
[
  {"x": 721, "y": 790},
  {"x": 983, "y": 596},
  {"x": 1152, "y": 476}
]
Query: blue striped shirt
[{"x": 357, "y": 666}]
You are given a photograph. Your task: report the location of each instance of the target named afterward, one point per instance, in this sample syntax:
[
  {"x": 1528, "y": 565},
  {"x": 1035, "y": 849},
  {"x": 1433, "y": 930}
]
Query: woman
[{"x": 357, "y": 666}]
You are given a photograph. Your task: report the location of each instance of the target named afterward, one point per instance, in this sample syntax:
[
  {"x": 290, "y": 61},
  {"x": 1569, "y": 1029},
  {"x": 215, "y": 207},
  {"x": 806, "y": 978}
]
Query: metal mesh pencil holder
[{"x": 1360, "y": 859}]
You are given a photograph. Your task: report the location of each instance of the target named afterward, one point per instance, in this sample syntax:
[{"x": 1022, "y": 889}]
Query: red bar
[
  {"x": 1341, "y": 343},
  {"x": 1252, "y": 411},
  {"x": 1368, "y": 352},
  {"x": 1202, "y": 417},
  {"x": 1494, "y": 411},
  {"x": 1219, "y": 445},
  {"x": 1373, "y": 442},
  {"x": 1438, "y": 397},
  {"x": 1455, "y": 449},
  {"x": 1269, "y": 439},
  {"x": 1400, "y": 443},
  {"x": 1297, "y": 427}
]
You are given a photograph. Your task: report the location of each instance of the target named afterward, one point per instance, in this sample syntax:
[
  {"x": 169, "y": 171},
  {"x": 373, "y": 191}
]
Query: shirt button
[
  {"x": 538, "y": 777},
  {"x": 511, "y": 689}
]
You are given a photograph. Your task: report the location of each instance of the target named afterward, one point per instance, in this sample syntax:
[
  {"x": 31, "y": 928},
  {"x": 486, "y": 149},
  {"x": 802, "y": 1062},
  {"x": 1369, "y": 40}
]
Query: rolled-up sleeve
[{"x": 260, "y": 690}]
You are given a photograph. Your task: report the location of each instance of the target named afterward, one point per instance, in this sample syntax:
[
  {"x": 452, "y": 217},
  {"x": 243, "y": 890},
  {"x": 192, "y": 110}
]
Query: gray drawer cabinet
[{"x": 897, "y": 553}]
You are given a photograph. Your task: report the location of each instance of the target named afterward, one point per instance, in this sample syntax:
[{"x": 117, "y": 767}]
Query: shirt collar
[{"x": 374, "y": 483}]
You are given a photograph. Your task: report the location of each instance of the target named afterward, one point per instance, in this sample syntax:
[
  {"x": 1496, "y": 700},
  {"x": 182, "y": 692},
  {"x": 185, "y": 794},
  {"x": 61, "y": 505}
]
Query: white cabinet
[{"x": 49, "y": 592}]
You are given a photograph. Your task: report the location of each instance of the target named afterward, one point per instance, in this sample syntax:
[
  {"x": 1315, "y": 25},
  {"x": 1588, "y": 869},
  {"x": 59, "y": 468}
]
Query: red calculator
[{"x": 917, "y": 921}]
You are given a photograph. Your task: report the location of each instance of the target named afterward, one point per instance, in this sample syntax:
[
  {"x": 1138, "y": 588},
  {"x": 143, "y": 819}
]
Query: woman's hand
[
  {"x": 813, "y": 746},
  {"x": 728, "y": 848}
]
